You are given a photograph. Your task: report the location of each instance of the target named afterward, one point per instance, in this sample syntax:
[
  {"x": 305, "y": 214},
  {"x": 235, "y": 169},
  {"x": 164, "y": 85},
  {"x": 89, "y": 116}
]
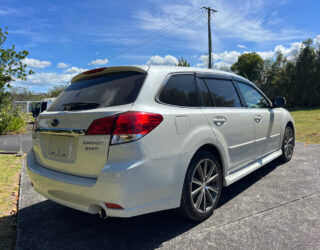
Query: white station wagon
[{"x": 130, "y": 140}]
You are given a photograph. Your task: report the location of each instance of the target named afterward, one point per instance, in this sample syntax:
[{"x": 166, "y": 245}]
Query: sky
[{"x": 65, "y": 38}]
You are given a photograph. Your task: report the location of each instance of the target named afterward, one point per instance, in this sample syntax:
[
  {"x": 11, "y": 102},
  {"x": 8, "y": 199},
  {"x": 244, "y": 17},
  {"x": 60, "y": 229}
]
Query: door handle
[
  {"x": 257, "y": 118},
  {"x": 219, "y": 120}
]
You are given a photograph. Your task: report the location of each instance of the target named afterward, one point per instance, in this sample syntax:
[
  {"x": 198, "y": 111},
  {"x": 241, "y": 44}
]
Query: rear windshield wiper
[{"x": 80, "y": 105}]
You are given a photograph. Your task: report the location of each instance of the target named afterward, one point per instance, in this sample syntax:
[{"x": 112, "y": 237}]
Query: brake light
[
  {"x": 92, "y": 71},
  {"x": 125, "y": 127}
]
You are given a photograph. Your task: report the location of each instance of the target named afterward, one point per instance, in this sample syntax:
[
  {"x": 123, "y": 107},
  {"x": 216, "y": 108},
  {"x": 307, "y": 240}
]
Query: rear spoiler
[{"x": 101, "y": 71}]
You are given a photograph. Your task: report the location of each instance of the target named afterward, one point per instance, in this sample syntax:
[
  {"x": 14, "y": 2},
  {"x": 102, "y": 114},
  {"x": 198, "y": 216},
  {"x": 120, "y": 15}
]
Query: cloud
[
  {"x": 167, "y": 60},
  {"x": 221, "y": 65},
  {"x": 62, "y": 65},
  {"x": 290, "y": 52},
  {"x": 99, "y": 62},
  {"x": 74, "y": 70},
  {"x": 245, "y": 20},
  {"x": 225, "y": 59},
  {"x": 316, "y": 41},
  {"x": 34, "y": 63},
  {"x": 241, "y": 46},
  {"x": 47, "y": 79}
]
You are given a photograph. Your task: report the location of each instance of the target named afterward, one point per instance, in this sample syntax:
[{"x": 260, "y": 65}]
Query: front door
[{"x": 266, "y": 125}]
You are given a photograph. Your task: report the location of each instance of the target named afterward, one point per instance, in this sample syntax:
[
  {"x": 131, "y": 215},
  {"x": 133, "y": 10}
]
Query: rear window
[
  {"x": 109, "y": 90},
  {"x": 180, "y": 90}
]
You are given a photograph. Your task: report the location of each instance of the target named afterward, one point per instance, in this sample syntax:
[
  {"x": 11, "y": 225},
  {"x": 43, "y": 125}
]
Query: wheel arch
[
  {"x": 216, "y": 151},
  {"x": 290, "y": 123}
]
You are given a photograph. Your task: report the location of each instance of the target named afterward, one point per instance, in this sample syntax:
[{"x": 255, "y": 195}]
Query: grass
[
  {"x": 10, "y": 167},
  {"x": 307, "y": 125}
]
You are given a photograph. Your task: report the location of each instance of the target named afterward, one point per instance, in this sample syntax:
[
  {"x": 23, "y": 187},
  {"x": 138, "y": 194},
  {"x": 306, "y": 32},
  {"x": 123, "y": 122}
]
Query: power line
[{"x": 157, "y": 34}]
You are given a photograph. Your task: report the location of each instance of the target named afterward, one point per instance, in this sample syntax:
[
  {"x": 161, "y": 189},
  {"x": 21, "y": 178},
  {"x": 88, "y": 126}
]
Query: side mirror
[{"x": 278, "y": 102}]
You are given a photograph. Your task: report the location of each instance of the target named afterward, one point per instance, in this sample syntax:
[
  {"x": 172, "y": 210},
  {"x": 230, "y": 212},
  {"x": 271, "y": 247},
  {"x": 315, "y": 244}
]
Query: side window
[
  {"x": 180, "y": 90},
  {"x": 223, "y": 93},
  {"x": 252, "y": 97},
  {"x": 205, "y": 95}
]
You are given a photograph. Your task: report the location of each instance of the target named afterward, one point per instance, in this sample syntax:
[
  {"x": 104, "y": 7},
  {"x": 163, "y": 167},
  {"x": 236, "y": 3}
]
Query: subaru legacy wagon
[{"x": 130, "y": 140}]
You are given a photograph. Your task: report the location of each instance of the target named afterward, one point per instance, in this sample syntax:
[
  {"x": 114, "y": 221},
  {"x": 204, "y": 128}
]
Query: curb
[
  {"x": 8, "y": 153},
  {"x": 20, "y": 191}
]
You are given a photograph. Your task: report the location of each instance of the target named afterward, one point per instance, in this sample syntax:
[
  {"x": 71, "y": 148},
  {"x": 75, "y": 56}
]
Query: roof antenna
[{"x": 246, "y": 76}]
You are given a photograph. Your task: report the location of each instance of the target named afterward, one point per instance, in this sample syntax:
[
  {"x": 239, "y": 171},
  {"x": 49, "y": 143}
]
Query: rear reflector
[
  {"x": 113, "y": 206},
  {"x": 92, "y": 71},
  {"x": 125, "y": 127}
]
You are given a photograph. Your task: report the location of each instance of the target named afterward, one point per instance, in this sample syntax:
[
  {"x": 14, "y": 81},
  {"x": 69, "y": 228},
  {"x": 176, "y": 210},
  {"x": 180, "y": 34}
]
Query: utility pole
[{"x": 209, "y": 34}]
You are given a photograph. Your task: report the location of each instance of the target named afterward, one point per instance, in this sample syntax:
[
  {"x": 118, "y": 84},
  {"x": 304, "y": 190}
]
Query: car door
[
  {"x": 231, "y": 123},
  {"x": 266, "y": 122}
]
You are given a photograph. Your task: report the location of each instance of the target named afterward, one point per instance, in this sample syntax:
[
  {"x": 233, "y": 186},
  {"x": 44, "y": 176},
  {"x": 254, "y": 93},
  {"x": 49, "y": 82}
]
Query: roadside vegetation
[
  {"x": 297, "y": 78},
  {"x": 10, "y": 166},
  {"x": 307, "y": 125},
  {"x": 11, "y": 68}
]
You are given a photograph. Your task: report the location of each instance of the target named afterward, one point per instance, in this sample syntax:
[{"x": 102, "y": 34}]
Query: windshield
[{"x": 113, "y": 89}]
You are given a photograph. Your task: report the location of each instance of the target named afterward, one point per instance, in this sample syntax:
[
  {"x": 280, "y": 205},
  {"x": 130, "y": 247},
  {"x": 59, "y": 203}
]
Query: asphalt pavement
[
  {"x": 16, "y": 143},
  {"x": 276, "y": 207}
]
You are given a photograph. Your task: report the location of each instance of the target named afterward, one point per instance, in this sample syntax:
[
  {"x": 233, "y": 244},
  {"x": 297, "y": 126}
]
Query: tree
[
  {"x": 11, "y": 68},
  {"x": 56, "y": 90},
  {"x": 183, "y": 62},
  {"x": 11, "y": 65},
  {"x": 307, "y": 81},
  {"x": 249, "y": 65},
  {"x": 23, "y": 94}
]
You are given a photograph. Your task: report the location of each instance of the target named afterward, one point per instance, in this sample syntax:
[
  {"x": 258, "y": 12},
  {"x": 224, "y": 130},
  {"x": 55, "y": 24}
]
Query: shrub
[{"x": 11, "y": 121}]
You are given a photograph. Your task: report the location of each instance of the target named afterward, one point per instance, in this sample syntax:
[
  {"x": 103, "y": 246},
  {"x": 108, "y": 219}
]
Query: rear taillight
[{"x": 125, "y": 127}]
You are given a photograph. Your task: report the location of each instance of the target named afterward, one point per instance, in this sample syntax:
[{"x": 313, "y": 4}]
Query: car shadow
[{"x": 47, "y": 225}]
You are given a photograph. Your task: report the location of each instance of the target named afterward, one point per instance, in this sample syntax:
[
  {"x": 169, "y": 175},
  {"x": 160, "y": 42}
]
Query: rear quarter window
[
  {"x": 108, "y": 90},
  {"x": 180, "y": 90}
]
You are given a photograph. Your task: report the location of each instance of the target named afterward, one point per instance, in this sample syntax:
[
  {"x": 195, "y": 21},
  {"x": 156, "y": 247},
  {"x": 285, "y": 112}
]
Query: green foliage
[
  {"x": 297, "y": 79},
  {"x": 249, "y": 65},
  {"x": 183, "y": 62},
  {"x": 56, "y": 90},
  {"x": 11, "y": 68},
  {"x": 11, "y": 120},
  {"x": 11, "y": 64}
]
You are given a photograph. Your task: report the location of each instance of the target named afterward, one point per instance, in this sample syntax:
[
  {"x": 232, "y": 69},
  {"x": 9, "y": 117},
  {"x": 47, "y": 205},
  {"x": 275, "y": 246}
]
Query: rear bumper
[{"x": 137, "y": 188}]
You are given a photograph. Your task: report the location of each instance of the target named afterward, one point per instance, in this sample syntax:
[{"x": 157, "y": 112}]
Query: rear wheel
[
  {"x": 288, "y": 144},
  {"x": 202, "y": 187}
]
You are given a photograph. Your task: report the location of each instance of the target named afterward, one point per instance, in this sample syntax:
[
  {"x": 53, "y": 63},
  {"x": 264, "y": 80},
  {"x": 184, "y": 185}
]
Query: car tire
[
  {"x": 288, "y": 144},
  {"x": 202, "y": 187}
]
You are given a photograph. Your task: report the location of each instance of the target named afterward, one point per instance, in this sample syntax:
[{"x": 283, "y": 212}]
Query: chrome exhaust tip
[{"x": 102, "y": 214}]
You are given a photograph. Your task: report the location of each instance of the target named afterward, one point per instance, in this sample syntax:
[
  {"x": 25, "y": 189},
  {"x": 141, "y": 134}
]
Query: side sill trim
[{"x": 237, "y": 175}]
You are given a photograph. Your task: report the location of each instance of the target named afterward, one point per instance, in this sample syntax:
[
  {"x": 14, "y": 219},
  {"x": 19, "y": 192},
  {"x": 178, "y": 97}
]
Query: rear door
[
  {"x": 60, "y": 141},
  {"x": 266, "y": 122},
  {"x": 231, "y": 123}
]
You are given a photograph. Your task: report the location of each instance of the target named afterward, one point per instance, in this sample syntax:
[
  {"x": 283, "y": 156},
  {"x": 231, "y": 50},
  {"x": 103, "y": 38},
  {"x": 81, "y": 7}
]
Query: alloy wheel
[
  {"x": 288, "y": 142},
  {"x": 205, "y": 185}
]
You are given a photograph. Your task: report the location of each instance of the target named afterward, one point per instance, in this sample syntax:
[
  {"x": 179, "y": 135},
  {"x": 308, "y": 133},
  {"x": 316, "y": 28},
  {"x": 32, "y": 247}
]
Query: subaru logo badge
[{"x": 55, "y": 122}]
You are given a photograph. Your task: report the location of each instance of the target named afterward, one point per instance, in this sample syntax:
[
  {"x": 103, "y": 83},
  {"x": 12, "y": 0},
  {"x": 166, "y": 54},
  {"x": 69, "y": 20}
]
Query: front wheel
[
  {"x": 288, "y": 144},
  {"x": 202, "y": 187}
]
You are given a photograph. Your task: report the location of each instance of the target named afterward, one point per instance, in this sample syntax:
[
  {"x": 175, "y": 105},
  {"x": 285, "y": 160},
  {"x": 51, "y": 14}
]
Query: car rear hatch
[{"x": 60, "y": 141}]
